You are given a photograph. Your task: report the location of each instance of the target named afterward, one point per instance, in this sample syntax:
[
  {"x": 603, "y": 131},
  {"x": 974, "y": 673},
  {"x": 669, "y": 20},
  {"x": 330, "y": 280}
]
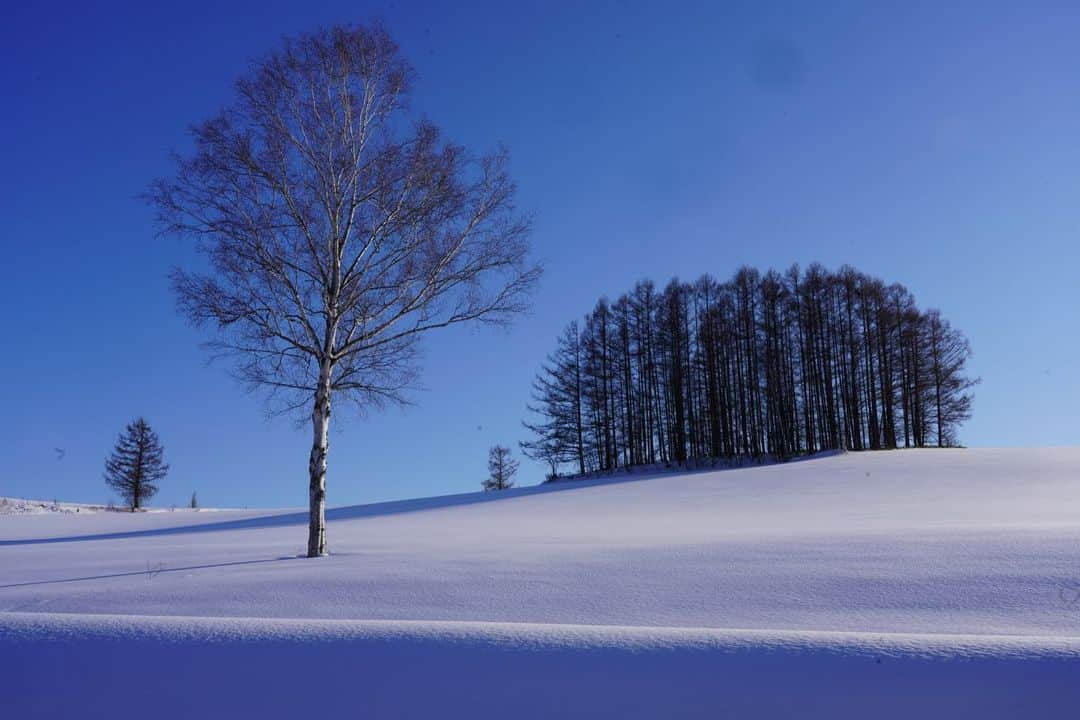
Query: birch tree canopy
[{"x": 338, "y": 229}]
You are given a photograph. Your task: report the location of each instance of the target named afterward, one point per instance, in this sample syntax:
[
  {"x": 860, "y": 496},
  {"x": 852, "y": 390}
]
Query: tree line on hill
[{"x": 763, "y": 365}]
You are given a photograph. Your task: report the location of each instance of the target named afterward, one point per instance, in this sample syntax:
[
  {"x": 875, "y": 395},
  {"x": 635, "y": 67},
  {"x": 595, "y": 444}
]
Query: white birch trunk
[{"x": 320, "y": 445}]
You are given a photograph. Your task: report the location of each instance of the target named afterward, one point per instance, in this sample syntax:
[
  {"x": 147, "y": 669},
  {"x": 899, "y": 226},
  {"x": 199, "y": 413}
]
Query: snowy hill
[{"x": 696, "y": 594}]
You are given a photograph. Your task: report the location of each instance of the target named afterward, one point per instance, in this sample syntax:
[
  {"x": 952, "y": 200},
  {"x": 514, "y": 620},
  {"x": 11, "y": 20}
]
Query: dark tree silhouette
[
  {"x": 948, "y": 352},
  {"x": 765, "y": 365},
  {"x": 501, "y": 469},
  {"x": 136, "y": 465},
  {"x": 339, "y": 230},
  {"x": 559, "y": 437}
]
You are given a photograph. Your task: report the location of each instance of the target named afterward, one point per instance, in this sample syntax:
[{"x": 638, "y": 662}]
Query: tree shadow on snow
[
  {"x": 150, "y": 572},
  {"x": 396, "y": 507}
]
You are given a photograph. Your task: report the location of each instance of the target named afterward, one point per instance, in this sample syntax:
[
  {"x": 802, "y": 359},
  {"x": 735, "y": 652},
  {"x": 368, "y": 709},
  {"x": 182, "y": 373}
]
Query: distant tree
[
  {"x": 544, "y": 448},
  {"x": 136, "y": 465},
  {"x": 556, "y": 400},
  {"x": 501, "y": 469},
  {"x": 948, "y": 353},
  {"x": 339, "y": 229},
  {"x": 194, "y": 505}
]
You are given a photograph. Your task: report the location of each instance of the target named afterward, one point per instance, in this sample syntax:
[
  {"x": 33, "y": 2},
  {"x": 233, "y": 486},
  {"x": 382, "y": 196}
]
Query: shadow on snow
[{"x": 395, "y": 507}]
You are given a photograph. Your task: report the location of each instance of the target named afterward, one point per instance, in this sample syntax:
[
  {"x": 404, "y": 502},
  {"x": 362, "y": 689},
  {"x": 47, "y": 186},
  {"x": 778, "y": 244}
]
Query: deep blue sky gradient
[{"x": 937, "y": 147}]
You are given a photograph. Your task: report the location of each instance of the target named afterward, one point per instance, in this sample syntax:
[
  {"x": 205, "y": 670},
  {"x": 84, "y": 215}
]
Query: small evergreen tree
[
  {"x": 501, "y": 467},
  {"x": 136, "y": 464}
]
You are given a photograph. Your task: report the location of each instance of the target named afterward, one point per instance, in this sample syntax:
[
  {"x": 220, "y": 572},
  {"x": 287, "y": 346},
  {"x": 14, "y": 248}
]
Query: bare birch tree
[{"x": 338, "y": 230}]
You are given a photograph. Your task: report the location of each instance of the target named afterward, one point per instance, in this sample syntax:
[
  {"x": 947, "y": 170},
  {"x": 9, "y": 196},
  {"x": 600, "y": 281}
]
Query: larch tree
[
  {"x": 948, "y": 352},
  {"x": 556, "y": 399},
  {"x": 501, "y": 469},
  {"x": 136, "y": 464},
  {"x": 338, "y": 231}
]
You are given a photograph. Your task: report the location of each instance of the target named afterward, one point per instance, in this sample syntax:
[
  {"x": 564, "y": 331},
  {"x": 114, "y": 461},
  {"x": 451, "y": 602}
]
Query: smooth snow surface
[
  {"x": 198, "y": 668},
  {"x": 962, "y": 566}
]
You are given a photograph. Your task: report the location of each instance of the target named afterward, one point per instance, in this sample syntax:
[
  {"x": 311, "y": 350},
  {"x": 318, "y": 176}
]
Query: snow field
[{"x": 940, "y": 583}]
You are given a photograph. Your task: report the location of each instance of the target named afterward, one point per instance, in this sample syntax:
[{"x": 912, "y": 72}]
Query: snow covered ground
[
  {"x": 22, "y": 506},
  {"x": 870, "y": 584}
]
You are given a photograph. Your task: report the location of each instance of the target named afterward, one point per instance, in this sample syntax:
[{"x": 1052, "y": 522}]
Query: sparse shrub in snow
[{"x": 152, "y": 571}]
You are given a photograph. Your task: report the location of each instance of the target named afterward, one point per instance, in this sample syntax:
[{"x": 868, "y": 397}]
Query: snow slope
[{"x": 888, "y": 582}]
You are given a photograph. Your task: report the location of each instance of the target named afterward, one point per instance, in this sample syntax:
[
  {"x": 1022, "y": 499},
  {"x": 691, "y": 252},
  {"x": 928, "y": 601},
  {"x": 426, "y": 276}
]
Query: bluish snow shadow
[{"x": 396, "y": 507}]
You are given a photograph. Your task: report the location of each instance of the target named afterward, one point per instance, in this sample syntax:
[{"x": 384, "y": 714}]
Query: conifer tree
[
  {"x": 559, "y": 436},
  {"x": 136, "y": 465},
  {"x": 501, "y": 469}
]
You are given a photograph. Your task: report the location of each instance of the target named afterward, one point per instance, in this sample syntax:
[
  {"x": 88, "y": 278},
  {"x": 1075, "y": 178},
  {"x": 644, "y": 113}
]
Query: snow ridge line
[{"x": 64, "y": 627}]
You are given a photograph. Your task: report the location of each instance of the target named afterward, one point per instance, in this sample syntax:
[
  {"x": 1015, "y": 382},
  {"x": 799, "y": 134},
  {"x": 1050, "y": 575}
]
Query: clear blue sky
[{"x": 932, "y": 146}]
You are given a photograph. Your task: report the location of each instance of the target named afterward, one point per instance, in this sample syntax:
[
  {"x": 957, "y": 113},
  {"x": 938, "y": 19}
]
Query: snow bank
[
  {"x": 22, "y": 506},
  {"x": 54, "y": 665}
]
